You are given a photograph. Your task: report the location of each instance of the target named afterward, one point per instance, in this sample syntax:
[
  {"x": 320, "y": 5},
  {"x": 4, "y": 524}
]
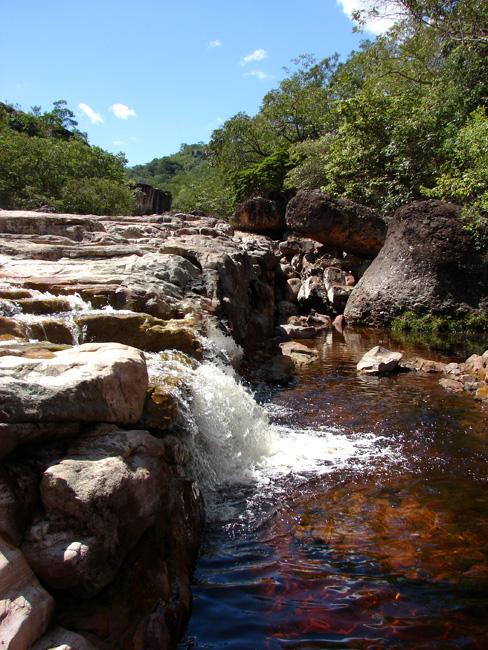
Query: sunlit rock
[
  {"x": 378, "y": 361},
  {"x": 94, "y": 382}
]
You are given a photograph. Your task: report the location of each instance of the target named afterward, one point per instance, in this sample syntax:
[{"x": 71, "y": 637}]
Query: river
[{"x": 361, "y": 523}]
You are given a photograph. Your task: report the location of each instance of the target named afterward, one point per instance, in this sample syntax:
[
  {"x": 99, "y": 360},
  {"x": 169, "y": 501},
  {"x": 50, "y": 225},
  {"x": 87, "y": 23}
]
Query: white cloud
[
  {"x": 93, "y": 116},
  {"x": 215, "y": 43},
  {"x": 119, "y": 143},
  {"x": 259, "y": 74},
  {"x": 375, "y": 25},
  {"x": 257, "y": 55},
  {"x": 122, "y": 111}
]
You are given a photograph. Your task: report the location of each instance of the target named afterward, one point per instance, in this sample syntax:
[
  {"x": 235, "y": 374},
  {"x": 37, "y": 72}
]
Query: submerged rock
[{"x": 378, "y": 361}]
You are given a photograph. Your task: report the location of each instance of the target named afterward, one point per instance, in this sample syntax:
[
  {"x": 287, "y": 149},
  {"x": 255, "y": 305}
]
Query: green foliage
[
  {"x": 464, "y": 176},
  {"x": 391, "y": 120},
  {"x": 264, "y": 178},
  {"x": 307, "y": 161},
  {"x": 476, "y": 321},
  {"x": 55, "y": 170}
]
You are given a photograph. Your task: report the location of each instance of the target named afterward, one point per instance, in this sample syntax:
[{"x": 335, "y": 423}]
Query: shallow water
[{"x": 365, "y": 527}]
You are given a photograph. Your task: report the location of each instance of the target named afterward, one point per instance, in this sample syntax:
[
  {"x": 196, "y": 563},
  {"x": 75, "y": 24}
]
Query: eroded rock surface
[
  {"x": 428, "y": 264},
  {"x": 89, "y": 383},
  {"x": 340, "y": 223}
]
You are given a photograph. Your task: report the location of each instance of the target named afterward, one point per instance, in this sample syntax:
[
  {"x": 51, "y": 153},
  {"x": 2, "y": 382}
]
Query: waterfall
[{"x": 232, "y": 440}]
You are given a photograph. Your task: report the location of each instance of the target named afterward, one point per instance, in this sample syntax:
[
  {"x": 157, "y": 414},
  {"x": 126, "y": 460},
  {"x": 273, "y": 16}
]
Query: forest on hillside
[
  {"x": 404, "y": 117},
  {"x": 46, "y": 162}
]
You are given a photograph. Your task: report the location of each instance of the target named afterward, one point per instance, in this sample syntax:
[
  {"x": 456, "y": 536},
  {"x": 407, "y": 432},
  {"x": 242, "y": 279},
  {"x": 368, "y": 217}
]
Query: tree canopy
[
  {"x": 46, "y": 161},
  {"x": 402, "y": 118}
]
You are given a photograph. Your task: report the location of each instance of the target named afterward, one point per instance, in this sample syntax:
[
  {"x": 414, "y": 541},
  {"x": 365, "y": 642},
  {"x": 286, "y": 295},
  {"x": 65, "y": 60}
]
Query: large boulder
[
  {"x": 258, "y": 215},
  {"x": 94, "y": 382},
  {"x": 97, "y": 503},
  {"x": 338, "y": 223},
  {"x": 428, "y": 264}
]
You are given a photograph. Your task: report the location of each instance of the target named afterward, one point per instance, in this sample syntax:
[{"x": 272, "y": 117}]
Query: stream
[{"x": 354, "y": 514}]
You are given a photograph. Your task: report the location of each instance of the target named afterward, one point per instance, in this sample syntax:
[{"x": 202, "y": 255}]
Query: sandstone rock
[
  {"x": 295, "y": 285},
  {"x": 452, "y": 385},
  {"x": 338, "y": 297},
  {"x": 98, "y": 502},
  {"x": 148, "y": 603},
  {"x": 89, "y": 383},
  {"x": 428, "y": 264},
  {"x": 141, "y": 331},
  {"x": 300, "y": 354},
  {"x": 423, "y": 365},
  {"x": 299, "y": 332},
  {"x": 339, "y": 322},
  {"x": 18, "y": 497},
  {"x": 378, "y": 360},
  {"x": 336, "y": 222},
  {"x": 161, "y": 408},
  {"x": 25, "y": 607},
  {"x": 258, "y": 215},
  {"x": 43, "y": 305},
  {"x": 334, "y": 277}
]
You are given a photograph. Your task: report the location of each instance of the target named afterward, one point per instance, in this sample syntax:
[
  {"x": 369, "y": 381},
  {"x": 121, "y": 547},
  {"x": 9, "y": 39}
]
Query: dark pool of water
[{"x": 391, "y": 553}]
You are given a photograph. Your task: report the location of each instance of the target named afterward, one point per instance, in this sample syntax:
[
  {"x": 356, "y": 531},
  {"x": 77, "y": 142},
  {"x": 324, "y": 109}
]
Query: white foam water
[{"x": 233, "y": 442}]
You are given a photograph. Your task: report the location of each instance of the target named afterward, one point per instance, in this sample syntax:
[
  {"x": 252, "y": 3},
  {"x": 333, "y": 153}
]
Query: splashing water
[{"x": 232, "y": 440}]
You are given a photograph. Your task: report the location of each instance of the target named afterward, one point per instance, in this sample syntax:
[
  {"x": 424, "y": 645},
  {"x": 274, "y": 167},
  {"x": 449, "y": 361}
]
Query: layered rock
[
  {"x": 428, "y": 264},
  {"x": 166, "y": 266},
  {"x": 98, "y": 493}
]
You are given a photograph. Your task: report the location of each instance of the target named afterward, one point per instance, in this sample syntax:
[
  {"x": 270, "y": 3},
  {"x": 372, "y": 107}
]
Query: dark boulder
[
  {"x": 428, "y": 264},
  {"x": 150, "y": 200},
  {"x": 258, "y": 215},
  {"x": 340, "y": 223}
]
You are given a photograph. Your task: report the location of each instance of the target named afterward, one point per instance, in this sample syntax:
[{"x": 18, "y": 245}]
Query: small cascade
[{"x": 233, "y": 441}]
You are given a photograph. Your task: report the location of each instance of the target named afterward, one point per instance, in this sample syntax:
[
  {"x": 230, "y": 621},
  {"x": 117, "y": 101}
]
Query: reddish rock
[{"x": 336, "y": 222}]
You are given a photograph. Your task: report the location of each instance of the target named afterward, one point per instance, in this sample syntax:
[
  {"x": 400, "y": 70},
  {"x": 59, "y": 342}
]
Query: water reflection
[{"x": 388, "y": 554}]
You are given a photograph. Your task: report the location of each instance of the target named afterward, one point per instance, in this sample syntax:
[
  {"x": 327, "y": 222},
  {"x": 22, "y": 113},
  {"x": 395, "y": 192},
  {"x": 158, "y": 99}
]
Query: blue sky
[{"x": 143, "y": 77}]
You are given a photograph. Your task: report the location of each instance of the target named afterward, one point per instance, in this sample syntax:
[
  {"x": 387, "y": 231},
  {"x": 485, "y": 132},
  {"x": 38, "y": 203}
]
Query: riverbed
[{"x": 365, "y": 527}]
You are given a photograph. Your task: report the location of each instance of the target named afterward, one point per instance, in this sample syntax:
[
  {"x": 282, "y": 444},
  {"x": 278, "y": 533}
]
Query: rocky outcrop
[
  {"x": 166, "y": 266},
  {"x": 111, "y": 378},
  {"x": 428, "y": 264},
  {"x": 339, "y": 223},
  {"x": 97, "y": 511},
  {"x": 258, "y": 215},
  {"x": 96, "y": 491},
  {"x": 150, "y": 200},
  {"x": 470, "y": 377}
]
